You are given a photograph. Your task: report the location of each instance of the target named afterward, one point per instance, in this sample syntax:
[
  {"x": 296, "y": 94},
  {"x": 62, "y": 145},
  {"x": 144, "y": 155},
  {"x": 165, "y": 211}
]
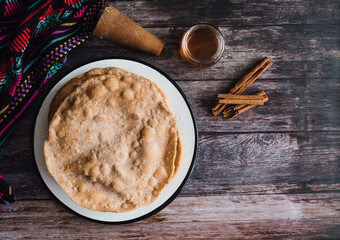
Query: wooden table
[{"x": 272, "y": 172}]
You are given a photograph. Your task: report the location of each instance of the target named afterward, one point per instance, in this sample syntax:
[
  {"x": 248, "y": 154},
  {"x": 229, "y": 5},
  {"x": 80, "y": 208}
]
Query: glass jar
[{"x": 202, "y": 45}]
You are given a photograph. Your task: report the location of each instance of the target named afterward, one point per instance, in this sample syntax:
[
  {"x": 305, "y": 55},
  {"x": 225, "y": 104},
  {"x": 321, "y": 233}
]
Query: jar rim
[{"x": 220, "y": 49}]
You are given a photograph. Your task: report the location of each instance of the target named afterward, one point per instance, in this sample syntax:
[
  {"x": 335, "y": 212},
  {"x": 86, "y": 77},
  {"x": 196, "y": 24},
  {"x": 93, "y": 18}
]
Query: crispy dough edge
[
  {"x": 178, "y": 155},
  {"x": 72, "y": 84}
]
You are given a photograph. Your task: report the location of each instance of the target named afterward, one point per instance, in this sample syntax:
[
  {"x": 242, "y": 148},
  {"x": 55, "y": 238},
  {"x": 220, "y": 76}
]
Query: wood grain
[
  {"x": 297, "y": 52},
  {"x": 228, "y": 163},
  {"x": 191, "y": 217},
  {"x": 294, "y": 105},
  {"x": 226, "y": 13}
]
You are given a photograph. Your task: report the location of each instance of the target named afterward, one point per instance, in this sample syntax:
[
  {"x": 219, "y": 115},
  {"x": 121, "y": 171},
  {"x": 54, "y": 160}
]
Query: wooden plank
[
  {"x": 310, "y": 105},
  {"x": 237, "y": 216},
  {"x": 219, "y": 12},
  {"x": 297, "y": 52},
  {"x": 227, "y": 163},
  {"x": 294, "y": 105}
]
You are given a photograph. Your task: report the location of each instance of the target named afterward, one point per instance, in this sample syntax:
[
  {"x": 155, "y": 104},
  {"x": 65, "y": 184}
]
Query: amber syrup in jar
[{"x": 202, "y": 45}]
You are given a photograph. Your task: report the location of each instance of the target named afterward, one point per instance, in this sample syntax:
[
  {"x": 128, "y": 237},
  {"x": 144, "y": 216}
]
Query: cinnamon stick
[
  {"x": 245, "y": 97},
  {"x": 244, "y": 83},
  {"x": 241, "y": 99},
  {"x": 250, "y": 77},
  {"x": 233, "y": 111}
]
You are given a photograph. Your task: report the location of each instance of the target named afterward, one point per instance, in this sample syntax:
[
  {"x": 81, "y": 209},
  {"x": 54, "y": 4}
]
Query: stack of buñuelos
[{"x": 113, "y": 141}]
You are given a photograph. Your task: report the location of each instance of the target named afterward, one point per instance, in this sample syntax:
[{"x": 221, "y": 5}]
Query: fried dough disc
[
  {"x": 77, "y": 81},
  {"x": 112, "y": 143},
  {"x": 71, "y": 85}
]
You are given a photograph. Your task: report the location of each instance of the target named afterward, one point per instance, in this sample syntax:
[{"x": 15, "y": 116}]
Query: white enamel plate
[{"x": 186, "y": 125}]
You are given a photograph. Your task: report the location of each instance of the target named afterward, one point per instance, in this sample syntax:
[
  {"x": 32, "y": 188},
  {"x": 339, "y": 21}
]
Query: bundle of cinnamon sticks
[{"x": 233, "y": 102}]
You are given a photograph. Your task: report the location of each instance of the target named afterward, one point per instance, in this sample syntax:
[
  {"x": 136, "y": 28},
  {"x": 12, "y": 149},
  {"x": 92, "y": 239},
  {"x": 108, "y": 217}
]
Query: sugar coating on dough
[{"x": 112, "y": 143}]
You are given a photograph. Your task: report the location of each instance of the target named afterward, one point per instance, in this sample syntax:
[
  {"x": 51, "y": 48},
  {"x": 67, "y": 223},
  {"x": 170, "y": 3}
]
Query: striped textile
[
  {"x": 35, "y": 38},
  {"x": 6, "y": 192}
]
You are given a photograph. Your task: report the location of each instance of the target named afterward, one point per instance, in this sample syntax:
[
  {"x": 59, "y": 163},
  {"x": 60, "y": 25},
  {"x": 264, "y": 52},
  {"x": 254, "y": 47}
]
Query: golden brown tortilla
[{"x": 113, "y": 143}]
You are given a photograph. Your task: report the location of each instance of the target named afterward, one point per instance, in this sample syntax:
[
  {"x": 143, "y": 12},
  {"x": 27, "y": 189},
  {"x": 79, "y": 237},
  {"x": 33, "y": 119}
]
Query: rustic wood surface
[{"x": 272, "y": 172}]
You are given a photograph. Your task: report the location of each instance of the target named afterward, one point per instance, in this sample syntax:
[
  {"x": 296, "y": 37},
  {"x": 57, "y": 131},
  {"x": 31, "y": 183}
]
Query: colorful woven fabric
[
  {"x": 6, "y": 192},
  {"x": 35, "y": 37}
]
